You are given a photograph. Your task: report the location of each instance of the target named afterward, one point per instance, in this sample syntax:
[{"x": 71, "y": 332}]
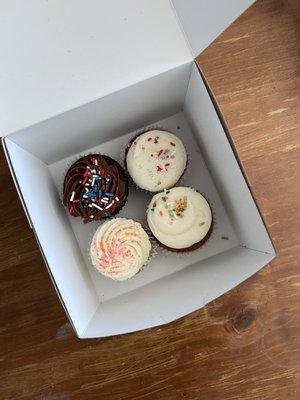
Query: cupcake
[
  {"x": 156, "y": 160},
  {"x": 120, "y": 248},
  {"x": 95, "y": 187},
  {"x": 180, "y": 219}
]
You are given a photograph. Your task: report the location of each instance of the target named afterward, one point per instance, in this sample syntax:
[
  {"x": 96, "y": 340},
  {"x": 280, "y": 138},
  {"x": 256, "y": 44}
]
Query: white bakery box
[{"x": 78, "y": 77}]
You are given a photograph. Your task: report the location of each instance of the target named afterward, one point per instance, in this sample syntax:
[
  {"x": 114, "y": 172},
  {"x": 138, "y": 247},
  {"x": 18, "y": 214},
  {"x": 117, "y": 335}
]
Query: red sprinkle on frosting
[{"x": 172, "y": 144}]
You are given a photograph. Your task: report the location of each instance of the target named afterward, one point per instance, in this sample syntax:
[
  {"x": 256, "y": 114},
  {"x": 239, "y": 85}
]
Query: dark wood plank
[{"x": 245, "y": 345}]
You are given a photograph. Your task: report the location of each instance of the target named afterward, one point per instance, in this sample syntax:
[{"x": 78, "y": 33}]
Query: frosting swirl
[
  {"x": 179, "y": 218},
  {"x": 120, "y": 248},
  {"x": 156, "y": 160},
  {"x": 95, "y": 187}
]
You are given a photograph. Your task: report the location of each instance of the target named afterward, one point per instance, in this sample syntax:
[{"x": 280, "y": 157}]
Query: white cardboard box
[{"x": 82, "y": 76}]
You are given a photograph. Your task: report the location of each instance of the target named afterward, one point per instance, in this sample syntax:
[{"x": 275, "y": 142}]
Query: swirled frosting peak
[
  {"x": 95, "y": 187},
  {"x": 120, "y": 248}
]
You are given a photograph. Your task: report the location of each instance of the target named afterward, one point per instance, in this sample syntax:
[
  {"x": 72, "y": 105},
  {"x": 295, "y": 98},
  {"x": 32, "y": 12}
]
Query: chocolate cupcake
[
  {"x": 156, "y": 160},
  {"x": 95, "y": 187},
  {"x": 180, "y": 219}
]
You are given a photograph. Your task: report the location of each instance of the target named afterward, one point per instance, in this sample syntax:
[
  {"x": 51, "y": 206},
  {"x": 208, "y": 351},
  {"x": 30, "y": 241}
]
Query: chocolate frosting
[{"x": 95, "y": 187}]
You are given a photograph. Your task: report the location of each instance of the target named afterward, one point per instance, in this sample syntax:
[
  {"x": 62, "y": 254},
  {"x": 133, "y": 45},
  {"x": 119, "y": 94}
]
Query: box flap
[
  {"x": 55, "y": 238},
  {"x": 57, "y": 55},
  {"x": 187, "y": 291},
  {"x": 203, "y": 21}
]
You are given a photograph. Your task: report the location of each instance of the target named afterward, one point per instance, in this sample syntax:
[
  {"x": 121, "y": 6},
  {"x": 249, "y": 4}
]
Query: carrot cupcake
[{"x": 180, "y": 219}]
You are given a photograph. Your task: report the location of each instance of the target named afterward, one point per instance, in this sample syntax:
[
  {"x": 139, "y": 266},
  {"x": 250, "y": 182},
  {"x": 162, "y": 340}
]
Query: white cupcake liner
[
  {"x": 152, "y": 255},
  {"x": 188, "y": 253},
  {"x": 123, "y": 152}
]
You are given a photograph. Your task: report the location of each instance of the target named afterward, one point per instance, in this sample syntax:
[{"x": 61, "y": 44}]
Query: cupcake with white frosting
[
  {"x": 156, "y": 160},
  {"x": 180, "y": 219},
  {"x": 120, "y": 248}
]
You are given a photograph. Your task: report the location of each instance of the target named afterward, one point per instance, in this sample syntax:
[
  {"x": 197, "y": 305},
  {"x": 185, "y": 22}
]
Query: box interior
[
  {"x": 176, "y": 100},
  {"x": 196, "y": 176}
]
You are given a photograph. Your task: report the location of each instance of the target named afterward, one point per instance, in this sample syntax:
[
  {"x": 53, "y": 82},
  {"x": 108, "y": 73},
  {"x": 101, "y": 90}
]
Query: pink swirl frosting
[{"x": 120, "y": 248}]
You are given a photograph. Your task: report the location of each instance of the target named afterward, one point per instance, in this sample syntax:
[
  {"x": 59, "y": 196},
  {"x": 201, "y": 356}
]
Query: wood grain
[{"x": 246, "y": 344}]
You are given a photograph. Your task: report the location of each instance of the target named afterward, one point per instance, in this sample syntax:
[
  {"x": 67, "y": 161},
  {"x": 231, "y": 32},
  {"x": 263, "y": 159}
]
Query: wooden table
[{"x": 246, "y": 344}]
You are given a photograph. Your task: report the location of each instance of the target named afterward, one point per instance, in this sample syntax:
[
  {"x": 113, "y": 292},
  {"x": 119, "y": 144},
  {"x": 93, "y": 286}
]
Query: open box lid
[
  {"x": 58, "y": 55},
  {"x": 204, "y": 20}
]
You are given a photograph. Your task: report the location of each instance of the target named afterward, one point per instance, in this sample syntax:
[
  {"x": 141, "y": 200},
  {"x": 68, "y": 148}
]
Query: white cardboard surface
[
  {"x": 204, "y": 20},
  {"x": 57, "y": 55},
  {"x": 55, "y": 236},
  {"x": 175, "y": 295},
  {"x": 100, "y": 307},
  {"x": 106, "y": 118}
]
